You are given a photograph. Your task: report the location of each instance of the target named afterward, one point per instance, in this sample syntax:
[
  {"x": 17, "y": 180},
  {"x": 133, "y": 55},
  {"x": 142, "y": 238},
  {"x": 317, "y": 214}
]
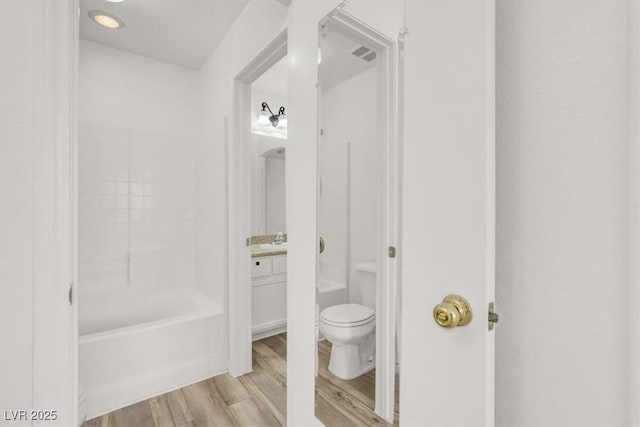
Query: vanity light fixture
[
  {"x": 105, "y": 19},
  {"x": 278, "y": 121}
]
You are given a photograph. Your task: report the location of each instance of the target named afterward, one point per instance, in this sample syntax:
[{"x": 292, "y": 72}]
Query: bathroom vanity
[{"x": 268, "y": 290}]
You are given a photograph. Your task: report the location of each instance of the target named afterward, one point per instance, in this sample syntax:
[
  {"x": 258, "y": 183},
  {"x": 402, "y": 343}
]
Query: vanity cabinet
[{"x": 268, "y": 295}]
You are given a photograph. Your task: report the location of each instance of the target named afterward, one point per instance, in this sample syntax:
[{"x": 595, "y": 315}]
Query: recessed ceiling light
[{"x": 105, "y": 19}]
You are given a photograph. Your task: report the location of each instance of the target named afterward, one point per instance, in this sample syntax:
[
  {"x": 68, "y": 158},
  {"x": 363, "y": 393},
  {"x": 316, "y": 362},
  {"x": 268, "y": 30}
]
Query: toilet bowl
[{"x": 350, "y": 328}]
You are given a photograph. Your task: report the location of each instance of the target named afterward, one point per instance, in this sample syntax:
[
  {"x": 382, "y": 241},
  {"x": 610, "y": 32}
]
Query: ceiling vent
[
  {"x": 360, "y": 50},
  {"x": 364, "y": 53},
  {"x": 369, "y": 56}
]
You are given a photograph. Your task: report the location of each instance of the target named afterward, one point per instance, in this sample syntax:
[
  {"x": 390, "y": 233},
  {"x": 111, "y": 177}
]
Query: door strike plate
[
  {"x": 392, "y": 252},
  {"x": 493, "y": 316}
]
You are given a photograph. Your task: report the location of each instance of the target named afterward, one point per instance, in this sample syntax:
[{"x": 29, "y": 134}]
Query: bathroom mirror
[
  {"x": 356, "y": 334},
  {"x": 269, "y": 213}
]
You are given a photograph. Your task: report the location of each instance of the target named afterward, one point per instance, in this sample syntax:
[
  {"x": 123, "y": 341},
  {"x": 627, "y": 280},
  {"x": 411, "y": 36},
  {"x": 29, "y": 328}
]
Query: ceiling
[
  {"x": 338, "y": 63},
  {"x": 180, "y": 32}
]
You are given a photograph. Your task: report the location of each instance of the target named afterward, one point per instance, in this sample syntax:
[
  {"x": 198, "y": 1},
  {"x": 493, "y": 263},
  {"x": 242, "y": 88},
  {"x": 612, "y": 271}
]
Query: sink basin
[{"x": 273, "y": 246}]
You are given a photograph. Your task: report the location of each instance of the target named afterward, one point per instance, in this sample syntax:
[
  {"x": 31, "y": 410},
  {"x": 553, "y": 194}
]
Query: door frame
[
  {"x": 634, "y": 216},
  {"x": 388, "y": 180},
  {"x": 239, "y": 203}
]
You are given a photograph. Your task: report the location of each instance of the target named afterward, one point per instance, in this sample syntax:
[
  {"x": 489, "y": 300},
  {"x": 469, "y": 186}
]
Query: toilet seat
[{"x": 347, "y": 315}]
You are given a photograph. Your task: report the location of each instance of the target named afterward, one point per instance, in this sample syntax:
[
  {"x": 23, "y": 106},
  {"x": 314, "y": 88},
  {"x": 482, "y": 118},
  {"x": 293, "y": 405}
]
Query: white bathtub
[
  {"x": 330, "y": 293},
  {"x": 133, "y": 346}
]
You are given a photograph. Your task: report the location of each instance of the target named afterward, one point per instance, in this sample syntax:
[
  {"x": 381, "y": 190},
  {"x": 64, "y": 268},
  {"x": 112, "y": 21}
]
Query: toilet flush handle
[{"x": 453, "y": 311}]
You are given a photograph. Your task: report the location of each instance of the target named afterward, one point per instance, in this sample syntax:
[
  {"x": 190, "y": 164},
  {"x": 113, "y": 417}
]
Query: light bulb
[
  {"x": 282, "y": 123},
  {"x": 106, "y": 20},
  {"x": 263, "y": 118}
]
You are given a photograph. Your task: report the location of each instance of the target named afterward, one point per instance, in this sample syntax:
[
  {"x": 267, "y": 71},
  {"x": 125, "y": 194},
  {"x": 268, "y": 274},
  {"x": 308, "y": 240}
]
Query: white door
[{"x": 447, "y": 374}]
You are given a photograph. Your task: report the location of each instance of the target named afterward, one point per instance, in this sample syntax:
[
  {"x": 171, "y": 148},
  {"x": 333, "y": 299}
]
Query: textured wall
[{"x": 562, "y": 147}]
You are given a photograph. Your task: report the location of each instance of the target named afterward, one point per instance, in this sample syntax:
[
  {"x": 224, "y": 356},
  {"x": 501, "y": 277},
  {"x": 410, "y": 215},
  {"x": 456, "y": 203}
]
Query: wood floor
[
  {"x": 254, "y": 400},
  {"x": 346, "y": 403}
]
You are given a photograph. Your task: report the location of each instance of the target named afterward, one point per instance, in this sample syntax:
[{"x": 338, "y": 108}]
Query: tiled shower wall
[
  {"x": 136, "y": 207},
  {"x": 139, "y": 123}
]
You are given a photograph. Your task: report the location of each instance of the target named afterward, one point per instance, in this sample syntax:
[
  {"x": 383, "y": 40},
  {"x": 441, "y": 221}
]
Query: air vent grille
[
  {"x": 359, "y": 51},
  {"x": 369, "y": 56}
]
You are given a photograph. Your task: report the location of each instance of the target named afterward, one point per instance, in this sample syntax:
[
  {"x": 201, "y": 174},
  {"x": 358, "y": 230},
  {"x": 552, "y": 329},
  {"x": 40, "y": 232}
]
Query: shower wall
[
  {"x": 349, "y": 118},
  {"x": 136, "y": 209},
  {"x": 139, "y": 122},
  {"x": 334, "y": 192},
  {"x": 139, "y": 126}
]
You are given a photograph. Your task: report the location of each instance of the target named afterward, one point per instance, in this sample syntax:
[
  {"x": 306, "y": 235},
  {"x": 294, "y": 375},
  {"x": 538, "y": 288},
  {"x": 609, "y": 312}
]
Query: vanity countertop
[
  {"x": 259, "y": 242},
  {"x": 257, "y": 251}
]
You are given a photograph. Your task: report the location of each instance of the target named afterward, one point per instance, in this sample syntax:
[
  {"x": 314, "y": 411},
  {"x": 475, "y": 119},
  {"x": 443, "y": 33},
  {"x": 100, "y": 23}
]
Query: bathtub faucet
[{"x": 279, "y": 239}]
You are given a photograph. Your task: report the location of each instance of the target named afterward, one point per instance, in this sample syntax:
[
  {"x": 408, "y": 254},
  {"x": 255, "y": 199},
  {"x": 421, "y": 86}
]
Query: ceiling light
[
  {"x": 115, "y": 1},
  {"x": 265, "y": 118},
  {"x": 105, "y": 19}
]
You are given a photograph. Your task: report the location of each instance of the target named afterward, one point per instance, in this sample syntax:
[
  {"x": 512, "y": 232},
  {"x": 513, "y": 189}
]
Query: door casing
[{"x": 239, "y": 221}]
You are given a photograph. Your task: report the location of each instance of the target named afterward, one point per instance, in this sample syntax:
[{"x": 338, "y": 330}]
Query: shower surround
[{"x": 147, "y": 325}]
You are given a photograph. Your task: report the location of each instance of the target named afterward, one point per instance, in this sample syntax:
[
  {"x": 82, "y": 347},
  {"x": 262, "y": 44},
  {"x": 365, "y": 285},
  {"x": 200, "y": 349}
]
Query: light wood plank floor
[{"x": 254, "y": 400}]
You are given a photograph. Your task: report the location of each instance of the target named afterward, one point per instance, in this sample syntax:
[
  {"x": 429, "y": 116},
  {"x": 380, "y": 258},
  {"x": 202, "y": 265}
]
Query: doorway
[
  {"x": 257, "y": 250},
  {"x": 357, "y": 211}
]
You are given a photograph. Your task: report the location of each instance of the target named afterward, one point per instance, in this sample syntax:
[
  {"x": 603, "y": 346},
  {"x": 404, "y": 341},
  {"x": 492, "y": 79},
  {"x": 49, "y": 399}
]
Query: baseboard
[{"x": 268, "y": 329}]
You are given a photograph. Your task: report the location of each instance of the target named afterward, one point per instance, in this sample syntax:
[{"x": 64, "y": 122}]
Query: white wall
[
  {"x": 37, "y": 359},
  {"x": 562, "y": 203},
  {"x": 139, "y": 122},
  {"x": 245, "y": 39},
  {"x": 348, "y": 116},
  {"x": 125, "y": 90}
]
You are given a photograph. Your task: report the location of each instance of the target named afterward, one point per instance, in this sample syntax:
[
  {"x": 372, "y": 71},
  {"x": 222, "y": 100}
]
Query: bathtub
[
  {"x": 330, "y": 293},
  {"x": 133, "y": 345}
]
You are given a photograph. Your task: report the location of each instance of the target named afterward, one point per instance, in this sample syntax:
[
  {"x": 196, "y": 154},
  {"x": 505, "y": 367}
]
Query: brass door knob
[{"x": 453, "y": 311}]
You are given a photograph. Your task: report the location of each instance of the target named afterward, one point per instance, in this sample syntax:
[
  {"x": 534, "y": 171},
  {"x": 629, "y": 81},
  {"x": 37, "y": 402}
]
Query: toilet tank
[{"x": 366, "y": 277}]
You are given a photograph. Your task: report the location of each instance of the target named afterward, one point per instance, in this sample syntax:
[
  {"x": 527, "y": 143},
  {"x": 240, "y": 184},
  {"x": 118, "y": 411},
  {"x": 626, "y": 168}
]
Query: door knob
[{"x": 453, "y": 311}]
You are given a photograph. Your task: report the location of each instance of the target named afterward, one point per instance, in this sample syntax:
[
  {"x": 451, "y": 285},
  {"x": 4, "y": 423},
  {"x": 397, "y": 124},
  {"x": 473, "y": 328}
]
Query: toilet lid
[{"x": 347, "y": 315}]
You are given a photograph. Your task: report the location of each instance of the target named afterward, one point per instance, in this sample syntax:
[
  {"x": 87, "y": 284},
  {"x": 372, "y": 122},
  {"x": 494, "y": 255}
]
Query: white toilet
[{"x": 350, "y": 328}]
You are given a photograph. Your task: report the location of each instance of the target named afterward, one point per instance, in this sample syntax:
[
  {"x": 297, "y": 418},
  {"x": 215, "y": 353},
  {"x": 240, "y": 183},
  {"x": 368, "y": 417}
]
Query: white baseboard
[{"x": 269, "y": 329}]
